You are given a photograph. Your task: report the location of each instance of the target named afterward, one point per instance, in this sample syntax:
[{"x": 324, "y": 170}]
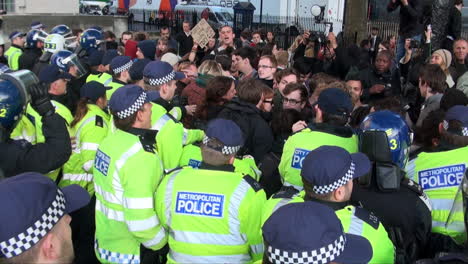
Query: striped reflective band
[
  {"x": 138, "y": 203},
  {"x": 156, "y": 239},
  {"x": 175, "y": 113},
  {"x": 282, "y": 202},
  {"x": 236, "y": 199},
  {"x": 116, "y": 257},
  {"x": 83, "y": 177},
  {"x": 207, "y": 238},
  {"x": 107, "y": 82},
  {"x": 185, "y": 137},
  {"x": 257, "y": 249},
  {"x": 107, "y": 196},
  {"x": 141, "y": 225},
  {"x": 356, "y": 226},
  {"x": 185, "y": 258},
  {"x": 168, "y": 196},
  {"x": 297, "y": 187},
  {"x": 161, "y": 122},
  {"x": 457, "y": 226},
  {"x": 446, "y": 204},
  {"x": 109, "y": 213},
  {"x": 89, "y": 146}
]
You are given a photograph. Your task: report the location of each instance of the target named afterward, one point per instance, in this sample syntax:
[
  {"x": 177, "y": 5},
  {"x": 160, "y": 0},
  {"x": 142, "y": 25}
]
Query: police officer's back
[
  {"x": 333, "y": 109},
  {"x": 400, "y": 204},
  {"x": 328, "y": 174},
  {"x": 212, "y": 214},
  {"x": 439, "y": 170}
]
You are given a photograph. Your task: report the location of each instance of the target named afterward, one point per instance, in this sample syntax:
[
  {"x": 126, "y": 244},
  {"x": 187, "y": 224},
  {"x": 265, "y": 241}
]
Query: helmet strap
[{"x": 4, "y": 134}]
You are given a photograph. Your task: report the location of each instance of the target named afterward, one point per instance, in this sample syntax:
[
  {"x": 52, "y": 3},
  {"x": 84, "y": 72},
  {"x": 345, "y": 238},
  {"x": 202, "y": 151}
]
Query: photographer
[
  {"x": 303, "y": 46},
  {"x": 410, "y": 22},
  {"x": 378, "y": 81}
]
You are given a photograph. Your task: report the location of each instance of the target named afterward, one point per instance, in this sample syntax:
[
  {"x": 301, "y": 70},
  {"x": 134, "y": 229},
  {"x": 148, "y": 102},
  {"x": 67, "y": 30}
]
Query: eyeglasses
[
  {"x": 268, "y": 101},
  {"x": 291, "y": 101},
  {"x": 265, "y": 67}
]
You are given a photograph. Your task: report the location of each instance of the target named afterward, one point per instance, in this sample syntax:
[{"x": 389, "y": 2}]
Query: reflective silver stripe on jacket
[
  {"x": 161, "y": 122},
  {"x": 185, "y": 258}
]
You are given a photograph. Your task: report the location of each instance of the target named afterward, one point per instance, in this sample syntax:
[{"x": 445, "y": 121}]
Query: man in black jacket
[
  {"x": 410, "y": 22},
  {"x": 20, "y": 156},
  {"x": 378, "y": 81},
  {"x": 454, "y": 25},
  {"x": 185, "y": 39},
  {"x": 245, "y": 112}
]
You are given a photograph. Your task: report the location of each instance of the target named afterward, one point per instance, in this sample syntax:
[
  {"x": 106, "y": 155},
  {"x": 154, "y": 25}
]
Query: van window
[{"x": 212, "y": 17}]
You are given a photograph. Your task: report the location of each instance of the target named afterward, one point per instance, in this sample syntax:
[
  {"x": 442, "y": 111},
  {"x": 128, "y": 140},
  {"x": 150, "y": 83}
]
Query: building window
[{"x": 8, "y": 5}]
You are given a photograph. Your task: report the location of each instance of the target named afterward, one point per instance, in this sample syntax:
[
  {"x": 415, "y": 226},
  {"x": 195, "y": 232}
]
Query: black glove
[{"x": 40, "y": 100}]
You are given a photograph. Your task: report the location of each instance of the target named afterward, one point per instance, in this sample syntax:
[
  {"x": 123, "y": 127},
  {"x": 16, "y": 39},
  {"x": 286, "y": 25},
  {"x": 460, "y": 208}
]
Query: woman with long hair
[
  {"x": 219, "y": 90},
  {"x": 89, "y": 127},
  {"x": 195, "y": 91}
]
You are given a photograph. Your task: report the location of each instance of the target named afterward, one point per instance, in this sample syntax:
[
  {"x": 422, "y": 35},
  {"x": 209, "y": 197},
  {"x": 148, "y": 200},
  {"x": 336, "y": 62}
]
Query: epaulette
[
  {"x": 413, "y": 186},
  {"x": 167, "y": 172},
  {"x": 99, "y": 121},
  {"x": 253, "y": 183},
  {"x": 148, "y": 145},
  {"x": 285, "y": 192},
  {"x": 367, "y": 217}
]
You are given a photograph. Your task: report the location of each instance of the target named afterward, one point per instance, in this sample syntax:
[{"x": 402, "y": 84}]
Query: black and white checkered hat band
[
  {"x": 24, "y": 241},
  {"x": 123, "y": 68},
  {"x": 163, "y": 80},
  {"x": 140, "y": 101},
  {"x": 331, "y": 187},
  {"x": 319, "y": 256},
  {"x": 226, "y": 150},
  {"x": 464, "y": 130}
]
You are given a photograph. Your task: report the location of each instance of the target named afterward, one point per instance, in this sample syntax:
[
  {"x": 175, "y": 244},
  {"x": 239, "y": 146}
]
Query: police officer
[
  {"x": 32, "y": 51},
  {"x": 20, "y": 156},
  {"x": 127, "y": 171},
  {"x": 327, "y": 174},
  {"x": 119, "y": 67},
  {"x": 320, "y": 238},
  {"x": 30, "y": 126},
  {"x": 440, "y": 171},
  {"x": 52, "y": 44},
  {"x": 16, "y": 49},
  {"x": 98, "y": 72},
  {"x": 400, "y": 204},
  {"x": 69, "y": 62},
  {"x": 160, "y": 78},
  {"x": 192, "y": 156},
  {"x": 36, "y": 221},
  {"x": 150, "y": 73},
  {"x": 91, "y": 40},
  {"x": 212, "y": 214},
  {"x": 89, "y": 126},
  {"x": 332, "y": 113}
]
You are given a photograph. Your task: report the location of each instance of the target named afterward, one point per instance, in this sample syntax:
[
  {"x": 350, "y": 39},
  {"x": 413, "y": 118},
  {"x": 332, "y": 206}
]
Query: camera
[{"x": 414, "y": 44}]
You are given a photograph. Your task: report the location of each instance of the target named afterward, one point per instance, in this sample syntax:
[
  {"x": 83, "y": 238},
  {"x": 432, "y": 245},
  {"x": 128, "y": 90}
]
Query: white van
[{"x": 217, "y": 15}]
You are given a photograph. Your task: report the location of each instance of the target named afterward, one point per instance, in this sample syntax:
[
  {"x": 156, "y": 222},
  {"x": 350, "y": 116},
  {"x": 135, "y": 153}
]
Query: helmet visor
[
  {"x": 73, "y": 60},
  {"x": 23, "y": 80}
]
